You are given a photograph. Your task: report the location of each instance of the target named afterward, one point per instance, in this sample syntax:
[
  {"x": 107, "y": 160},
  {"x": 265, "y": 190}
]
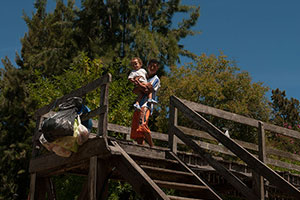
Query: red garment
[{"x": 139, "y": 127}]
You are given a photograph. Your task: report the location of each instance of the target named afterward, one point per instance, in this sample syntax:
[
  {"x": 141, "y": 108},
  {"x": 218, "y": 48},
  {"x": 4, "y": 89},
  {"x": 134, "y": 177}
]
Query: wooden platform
[{"x": 200, "y": 171}]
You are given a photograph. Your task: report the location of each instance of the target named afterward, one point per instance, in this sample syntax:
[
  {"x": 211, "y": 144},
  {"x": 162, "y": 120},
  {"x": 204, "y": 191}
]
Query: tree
[
  {"x": 217, "y": 82},
  {"x": 134, "y": 28},
  {"x": 16, "y": 128},
  {"x": 49, "y": 65},
  {"x": 48, "y": 46},
  {"x": 285, "y": 112}
]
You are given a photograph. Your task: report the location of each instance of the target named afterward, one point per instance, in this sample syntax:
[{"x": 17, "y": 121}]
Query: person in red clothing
[{"x": 139, "y": 127}]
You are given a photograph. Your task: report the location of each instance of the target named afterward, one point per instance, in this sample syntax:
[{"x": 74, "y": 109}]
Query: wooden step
[
  {"x": 189, "y": 191},
  {"x": 157, "y": 162},
  {"x": 181, "y": 198},
  {"x": 180, "y": 186},
  {"x": 167, "y": 171},
  {"x": 168, "y": 174}
]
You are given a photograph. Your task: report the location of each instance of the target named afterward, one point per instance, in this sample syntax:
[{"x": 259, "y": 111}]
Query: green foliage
[
  {"x": 16, "y": 131},
  {"x": 121, "y": 191},
  {"x": 217, "y": 82},
  {"x": 285, "y": 112},
  {"x": 68, "y": 186},
  {"x": 127, "y": 29}
]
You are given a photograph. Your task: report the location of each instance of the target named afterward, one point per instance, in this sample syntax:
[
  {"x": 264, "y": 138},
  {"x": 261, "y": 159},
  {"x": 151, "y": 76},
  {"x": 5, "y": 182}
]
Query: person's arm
[{"x": 145, "y": 88}]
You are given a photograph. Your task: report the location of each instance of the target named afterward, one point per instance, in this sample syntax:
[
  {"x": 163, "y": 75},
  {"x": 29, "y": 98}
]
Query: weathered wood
[
  {"x": 240, "y": 119},
  {"x": 230, "y": 177},
  {"x": 93, "y": 113},
  {"x": 75, "y": 93},
  {"x": 92, "y": 178},
  {"x": 276, "y": 152},
  {"x": 181, "y": 198},
  {"x": 172, "y": 122},
  {"x": 92, "y": 147},
  {"x": 203, "y": 182},
  {"x": 216, "y": 148},
  {"x": 242, "y": 153},
  {"x": 258, "y": 181},
  {"x": 205, "y": 135},
  {"x": 102, "y": 123},
  {"x": 170, "y": 172},
  {"x": 138, "y": 150},
  {"x": 32, "y": 186},
  {"x": 35, "y": 142},
  {"x": 282, "y": 164},
  {"x": 140, "y": 181},
  {"x": 180, "y": 186}
]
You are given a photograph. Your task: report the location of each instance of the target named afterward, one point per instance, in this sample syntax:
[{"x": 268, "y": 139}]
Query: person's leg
[
  {"x": 145, "y": 113},
  {"x": 150, "y": 100},
  {"x": 139, "y": 98}
]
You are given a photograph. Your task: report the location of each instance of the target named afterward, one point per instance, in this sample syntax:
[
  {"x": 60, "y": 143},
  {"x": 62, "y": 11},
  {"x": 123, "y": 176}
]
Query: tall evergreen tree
[
  {"x": 48, "y": 46},
  {"x": 16, "y": 127},
  {"x": 110, "y": 30},
  {"x": 285, "y": 112},
  {"x": 141, "y": 28}
]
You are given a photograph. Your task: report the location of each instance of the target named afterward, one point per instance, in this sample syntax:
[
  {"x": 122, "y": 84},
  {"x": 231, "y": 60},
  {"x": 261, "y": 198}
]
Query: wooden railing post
[
  {"x": 102, "y": 123},
  {"x": 259, "y": 180},
  {"x": 92, "y": 178},
  {"x": 172, "y": 123}
]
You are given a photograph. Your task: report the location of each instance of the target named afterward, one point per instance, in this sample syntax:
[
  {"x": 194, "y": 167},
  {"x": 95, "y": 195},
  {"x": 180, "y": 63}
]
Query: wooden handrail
[
  {"x": 75, "y": 93},
  {"x": 240, "y": 119},
  {"x": 258, "y": 166}
]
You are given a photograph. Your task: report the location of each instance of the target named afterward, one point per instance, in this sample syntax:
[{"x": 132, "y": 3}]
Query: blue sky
[{"x": 263, "y": 37}]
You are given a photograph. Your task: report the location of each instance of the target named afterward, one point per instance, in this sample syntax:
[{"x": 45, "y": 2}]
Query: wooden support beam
[
  {"x": 258, "y": 166},
  {"x": 134, "y": 174},
  {"x": 172, "y": 122},
  {"x": 102, "y": 123},
  {"x": 92, "y": 178},
  {"x": 32, "y": 186},
  {"x": 92, "y": 147},
  {"x": 258, "y": 180},
  {"x": 230, "y": 177}
]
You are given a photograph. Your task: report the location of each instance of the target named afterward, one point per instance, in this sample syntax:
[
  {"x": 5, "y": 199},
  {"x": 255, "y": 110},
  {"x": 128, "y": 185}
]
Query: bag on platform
[{"x": 62, "y": 123}]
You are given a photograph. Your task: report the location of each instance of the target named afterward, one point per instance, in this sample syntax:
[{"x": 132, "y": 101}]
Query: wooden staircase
[
  {"x": 173, "y": 174},
  {"x": 158, "y": 172}
]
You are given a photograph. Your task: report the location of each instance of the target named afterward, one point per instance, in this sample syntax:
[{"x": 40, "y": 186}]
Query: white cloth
[
  {"x": 155, "y": 82},
  {"x": 140, "y": 72}
]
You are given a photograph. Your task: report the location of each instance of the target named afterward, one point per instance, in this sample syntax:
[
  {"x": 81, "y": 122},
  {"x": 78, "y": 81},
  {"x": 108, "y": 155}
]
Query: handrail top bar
[
  {"x": 237, "y": 118},
  {"x": 105, "y": 79}
]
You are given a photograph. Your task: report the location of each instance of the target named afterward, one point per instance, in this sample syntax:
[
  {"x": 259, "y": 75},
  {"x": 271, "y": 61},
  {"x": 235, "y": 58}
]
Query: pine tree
[
  {"x": 142, "y": 28},
  {"x": 49, "y": 46},
  {"x": 285, "y": 111},
  {"x": 16, "y": 130},
  {"x": 111, "y": 30}
]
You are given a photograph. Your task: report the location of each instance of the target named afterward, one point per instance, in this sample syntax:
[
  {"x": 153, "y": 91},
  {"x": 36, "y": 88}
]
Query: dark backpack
[{"x": 62, "y": 123}]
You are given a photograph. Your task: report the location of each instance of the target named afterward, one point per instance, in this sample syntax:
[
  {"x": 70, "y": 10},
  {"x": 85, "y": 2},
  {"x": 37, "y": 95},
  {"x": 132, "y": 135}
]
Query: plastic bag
[
  {"x": 80, "y": 132},
  {"x": 62, "y": 123},
  {"x": 58, "y": 150}
]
